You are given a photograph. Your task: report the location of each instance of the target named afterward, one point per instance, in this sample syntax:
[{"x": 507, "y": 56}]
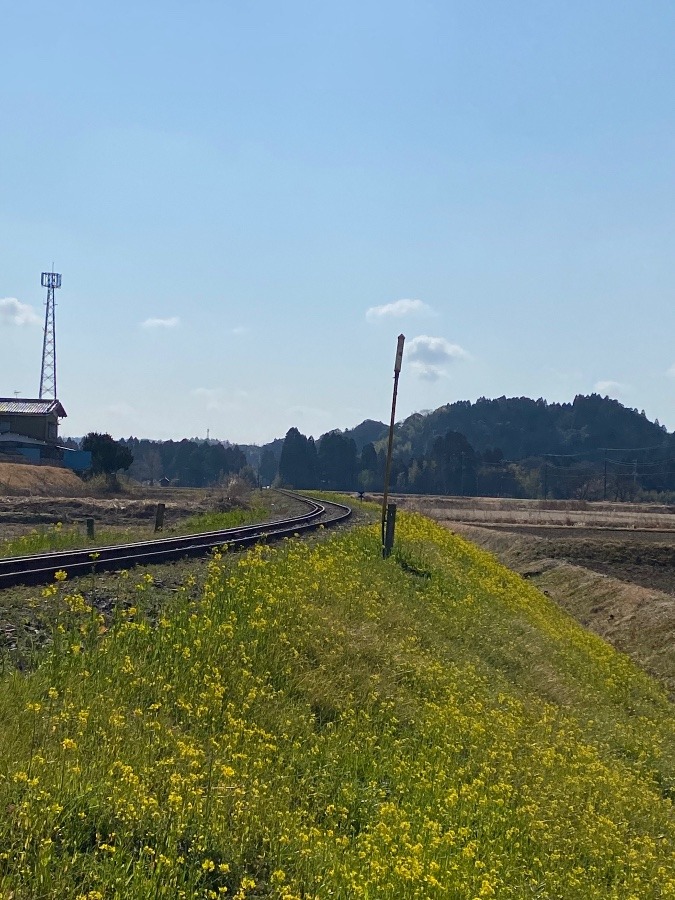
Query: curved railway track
[{"x": 40, "y": 569}]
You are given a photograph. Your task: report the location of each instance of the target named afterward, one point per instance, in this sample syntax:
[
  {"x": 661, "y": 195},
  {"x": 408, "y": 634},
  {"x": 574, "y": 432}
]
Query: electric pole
[{"x": 389, "y": 511}]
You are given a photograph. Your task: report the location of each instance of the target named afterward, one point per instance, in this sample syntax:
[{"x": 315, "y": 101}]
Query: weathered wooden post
[
  {"x": 389, "y": 530},
  {"x": 159, "y": 517},
  {"x": 90, "y": 527},
  {"x": 389, "y": 510}
]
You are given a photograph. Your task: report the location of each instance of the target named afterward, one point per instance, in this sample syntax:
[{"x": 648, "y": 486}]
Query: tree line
[
  {"x": 187, "y": 463},
  {"x": 593, "y": 448}
]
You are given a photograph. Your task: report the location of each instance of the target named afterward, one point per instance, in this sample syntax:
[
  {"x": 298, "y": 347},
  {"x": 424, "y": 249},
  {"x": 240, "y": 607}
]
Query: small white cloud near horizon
[
  {"x": 14, "y": 312},
  {"x": 172, "y": 322},
  {"x": 397, "y": 310},
  {"x": 428, "y": 356},
  {"x": 605, "y": 388}
]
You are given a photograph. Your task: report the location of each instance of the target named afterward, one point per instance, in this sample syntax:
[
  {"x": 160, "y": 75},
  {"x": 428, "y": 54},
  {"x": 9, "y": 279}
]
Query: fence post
[
  {"x": 159, "y": 517},
  {"x": 90, "y": 527}
]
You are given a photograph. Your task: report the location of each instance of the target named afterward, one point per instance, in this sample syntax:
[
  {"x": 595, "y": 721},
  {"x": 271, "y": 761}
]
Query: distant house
[
  {"x": 38, "y": 419},
  {"x": 29, "y": 429}
]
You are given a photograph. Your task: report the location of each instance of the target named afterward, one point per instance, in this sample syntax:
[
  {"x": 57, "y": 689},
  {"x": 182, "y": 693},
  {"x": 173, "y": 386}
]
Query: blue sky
[{"x": 249, "y": 201}]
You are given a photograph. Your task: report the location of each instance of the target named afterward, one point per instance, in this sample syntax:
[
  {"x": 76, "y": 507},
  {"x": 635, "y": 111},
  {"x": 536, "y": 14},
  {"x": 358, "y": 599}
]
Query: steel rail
[{"x": 41, "y": 568}]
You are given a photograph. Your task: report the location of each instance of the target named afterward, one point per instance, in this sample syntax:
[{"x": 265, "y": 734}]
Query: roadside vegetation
[
  {"x": 52, "y": 538},
  {"x": 216, "y": 521},
  {"x": 316, "y": 722},
  {"x": 611, "y": 566}
]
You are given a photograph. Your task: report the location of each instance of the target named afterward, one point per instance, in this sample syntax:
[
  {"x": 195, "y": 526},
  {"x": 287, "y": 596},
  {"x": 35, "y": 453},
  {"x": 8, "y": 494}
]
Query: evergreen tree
[
  {"x": 368, "y": 476},
  {"x": 337, "y": 459},
  {"x": 369, "y": 458},
  {"x": 456, "y": 463},
  {"x": 298, "y": 464},
  {"x": 108, "y": 456},
  {"x": 268, "y": 467}
]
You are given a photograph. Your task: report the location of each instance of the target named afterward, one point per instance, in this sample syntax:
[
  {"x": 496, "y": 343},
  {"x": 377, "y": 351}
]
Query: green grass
[
  {"x": 215, "y": 521},
  {"x": 52, "y": 538},
  {"x": 316, "y": 722},
  {"x": 57, "y": 537}
]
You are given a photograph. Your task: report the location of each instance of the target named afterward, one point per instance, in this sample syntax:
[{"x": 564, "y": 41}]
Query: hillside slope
[
  {"x": 314, "y": 721},
  {"x": 522, "y": 427}
]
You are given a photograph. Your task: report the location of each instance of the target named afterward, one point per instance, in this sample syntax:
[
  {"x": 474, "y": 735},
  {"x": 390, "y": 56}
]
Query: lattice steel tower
[{"x": 52, "y": 281}]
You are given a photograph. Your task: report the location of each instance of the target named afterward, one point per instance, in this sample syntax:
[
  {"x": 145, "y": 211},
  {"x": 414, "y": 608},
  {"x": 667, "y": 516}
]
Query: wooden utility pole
[{"x": 389, "y": 512}]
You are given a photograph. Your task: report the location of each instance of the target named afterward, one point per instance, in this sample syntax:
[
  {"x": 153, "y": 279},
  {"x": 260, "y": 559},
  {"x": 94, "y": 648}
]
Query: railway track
[{"x": 41, "y": 569}]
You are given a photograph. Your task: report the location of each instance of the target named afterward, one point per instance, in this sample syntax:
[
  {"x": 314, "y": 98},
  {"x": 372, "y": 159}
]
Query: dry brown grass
[
  {"x": 18, "y": 480},
  {"x": 543, "y": 513}
]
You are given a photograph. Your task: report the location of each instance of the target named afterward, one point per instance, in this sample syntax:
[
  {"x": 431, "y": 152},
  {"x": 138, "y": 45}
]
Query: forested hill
[
  {"x": 522, "y": 428},
  {"x": 591, "y": 448}
]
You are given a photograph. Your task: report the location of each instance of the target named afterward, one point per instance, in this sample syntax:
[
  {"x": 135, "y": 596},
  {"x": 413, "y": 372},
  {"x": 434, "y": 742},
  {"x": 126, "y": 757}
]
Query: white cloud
[
  {"x": 428, "y": 356},
  {"x": 671, "y": 371},
  {"x": 239, "y": 329},
  {"x": 173, "y": 322},
  {"x": 605, "y": 388},
  {"x": 397, "y": 310},
  {"x": 14, "y": 312}
]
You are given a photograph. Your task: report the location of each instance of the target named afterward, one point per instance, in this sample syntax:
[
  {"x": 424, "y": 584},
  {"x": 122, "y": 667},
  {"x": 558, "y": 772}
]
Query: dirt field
[
  {"x": 546, "y": 513},
  {"x": 133, "y": 514},
  {"x": 40, "y": 496},
  {"x": 20, "y": 514},
  {"x": 617, "y": 581},
  {"x": 632, "y": 542}
]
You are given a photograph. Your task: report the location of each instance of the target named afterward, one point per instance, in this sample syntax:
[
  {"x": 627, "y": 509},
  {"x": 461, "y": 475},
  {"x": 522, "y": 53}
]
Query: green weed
[{"x": 316, "y": 722}]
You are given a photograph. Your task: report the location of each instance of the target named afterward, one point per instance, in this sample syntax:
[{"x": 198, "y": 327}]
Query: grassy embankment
[
  {"x": 315, "y": 722},
  {"x": 17, "y": 479},
  {"x": 52, "y": 538}
]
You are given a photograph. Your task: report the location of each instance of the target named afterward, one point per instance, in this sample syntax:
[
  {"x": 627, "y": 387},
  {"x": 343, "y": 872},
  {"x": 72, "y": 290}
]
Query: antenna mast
[{"x": 52, "y": 281}]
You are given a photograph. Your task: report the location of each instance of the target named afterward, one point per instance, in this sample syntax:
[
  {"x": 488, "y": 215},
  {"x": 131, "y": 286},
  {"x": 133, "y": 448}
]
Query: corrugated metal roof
[{"x": 14, "y": 406}]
